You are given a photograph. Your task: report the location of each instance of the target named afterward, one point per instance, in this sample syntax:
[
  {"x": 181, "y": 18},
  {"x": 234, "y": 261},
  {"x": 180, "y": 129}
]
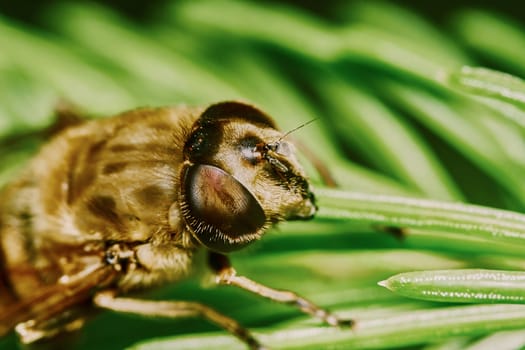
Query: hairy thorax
[{"x": 100, "y": 183}]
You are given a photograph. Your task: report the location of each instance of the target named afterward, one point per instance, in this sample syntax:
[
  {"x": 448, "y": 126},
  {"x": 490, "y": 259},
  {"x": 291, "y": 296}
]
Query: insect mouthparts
[{"x": 169, "y": 182}]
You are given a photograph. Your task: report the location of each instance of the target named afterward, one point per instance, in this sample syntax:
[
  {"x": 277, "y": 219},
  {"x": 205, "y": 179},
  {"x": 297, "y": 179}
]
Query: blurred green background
[{"x": 398, "y": 115}]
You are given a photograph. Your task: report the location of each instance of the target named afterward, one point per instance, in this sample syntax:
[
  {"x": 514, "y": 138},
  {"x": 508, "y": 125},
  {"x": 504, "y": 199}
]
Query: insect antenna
[
  {"x": 297, "y": 128},
  {"x": 273, "y": 145}
]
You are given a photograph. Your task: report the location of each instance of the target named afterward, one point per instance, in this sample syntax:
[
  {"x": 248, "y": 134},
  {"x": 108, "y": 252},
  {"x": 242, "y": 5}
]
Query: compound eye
[{"x": 222, "y": 213}]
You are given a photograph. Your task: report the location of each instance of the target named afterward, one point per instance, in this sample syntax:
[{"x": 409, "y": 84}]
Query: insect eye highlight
[
  {"x": 255, "y": 150},
  {"x": 251, "y": 149}
]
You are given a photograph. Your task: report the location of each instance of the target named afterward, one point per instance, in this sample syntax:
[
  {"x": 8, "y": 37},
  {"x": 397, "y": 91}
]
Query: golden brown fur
[
  {"x": 111, "y": 179},
  {"x": 104, "y": 198}
]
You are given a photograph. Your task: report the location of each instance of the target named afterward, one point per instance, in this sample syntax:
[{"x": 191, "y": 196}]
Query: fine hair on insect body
[{"x": 122, "y": 204}]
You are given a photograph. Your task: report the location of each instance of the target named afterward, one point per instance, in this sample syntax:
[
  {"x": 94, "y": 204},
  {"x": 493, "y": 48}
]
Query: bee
[{"x": 112, "y": 206}]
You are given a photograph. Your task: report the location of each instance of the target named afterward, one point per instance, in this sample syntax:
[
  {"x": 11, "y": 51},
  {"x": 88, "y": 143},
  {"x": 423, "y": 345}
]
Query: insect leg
[
  {"x": 61, "y": 326},
  {"x": 174, "y": 309},
  {"x": 226, "y": 275}
]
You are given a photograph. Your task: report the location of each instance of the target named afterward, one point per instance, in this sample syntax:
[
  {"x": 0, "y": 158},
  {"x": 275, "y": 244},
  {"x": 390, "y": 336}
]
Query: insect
[{"x": 116, "y": 205}]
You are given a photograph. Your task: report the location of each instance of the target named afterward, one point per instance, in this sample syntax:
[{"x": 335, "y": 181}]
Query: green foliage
[{"x": 409, "y": 127}]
